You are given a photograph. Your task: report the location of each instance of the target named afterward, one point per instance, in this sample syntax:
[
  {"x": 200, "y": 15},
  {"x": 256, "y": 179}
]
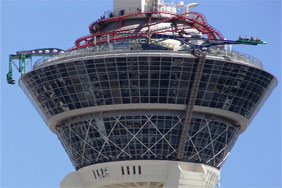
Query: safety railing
[
  {"x": 137, "y": 46},
  {"x": 236, "y": 55},
  {"x": 162, "y": 6}
]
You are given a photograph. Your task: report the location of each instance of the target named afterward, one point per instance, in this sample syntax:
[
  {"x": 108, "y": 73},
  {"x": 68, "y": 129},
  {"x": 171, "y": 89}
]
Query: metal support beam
[
  {"x": 10, "y": 79},
  {"x": 149, "y": 21},
  {"x": 191, "y": 102},
  {"x": 23, "y": 56},
  {"x": 22, "y": 64},
  {"x": 95, "y": 40}
]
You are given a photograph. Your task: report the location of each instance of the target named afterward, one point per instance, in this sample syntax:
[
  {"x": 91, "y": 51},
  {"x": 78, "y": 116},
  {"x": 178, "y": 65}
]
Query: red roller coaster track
[{"x": 192, "y": 19}]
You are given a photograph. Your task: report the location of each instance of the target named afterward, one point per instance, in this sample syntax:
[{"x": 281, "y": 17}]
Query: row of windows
[
  {"x": 236, "y": 88},
  {"x": 113, "y": 64},
  {"x": 145, "y": 137},
  {"x": 157, "y": 79},
  {"x": 133, "y": 76}
]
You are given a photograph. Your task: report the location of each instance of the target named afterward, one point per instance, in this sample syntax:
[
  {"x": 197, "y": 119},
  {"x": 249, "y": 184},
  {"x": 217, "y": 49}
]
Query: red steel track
[{"x": 193, "y": 19}]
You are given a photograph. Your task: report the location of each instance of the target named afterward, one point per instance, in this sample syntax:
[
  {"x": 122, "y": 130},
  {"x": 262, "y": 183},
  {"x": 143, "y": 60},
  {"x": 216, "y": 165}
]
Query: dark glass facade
[
  {"x": 78, "y": 84},
  {"x": 145, "y": 137},
  {"x": 134, "y": 79}
]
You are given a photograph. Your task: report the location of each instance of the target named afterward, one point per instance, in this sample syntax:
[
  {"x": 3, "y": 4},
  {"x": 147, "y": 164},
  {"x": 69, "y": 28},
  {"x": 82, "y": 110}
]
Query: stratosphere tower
[{"x": 151, "y": 97}]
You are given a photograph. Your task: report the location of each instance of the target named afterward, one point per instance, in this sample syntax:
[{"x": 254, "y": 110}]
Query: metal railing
[
  {"x": 137, "y": 46},
  {"x": 154, "y": 7},
  {"x": 97, "y": 49},
  {"x": 236, "y": 56}
]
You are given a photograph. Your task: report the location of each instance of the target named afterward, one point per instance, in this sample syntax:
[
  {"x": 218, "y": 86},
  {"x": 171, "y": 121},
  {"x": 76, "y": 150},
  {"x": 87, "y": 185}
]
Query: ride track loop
[{"x": 197, "y": 22}]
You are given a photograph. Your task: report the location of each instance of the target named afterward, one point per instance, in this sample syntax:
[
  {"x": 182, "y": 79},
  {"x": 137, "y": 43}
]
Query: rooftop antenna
[{"x": 172, "y": 3}]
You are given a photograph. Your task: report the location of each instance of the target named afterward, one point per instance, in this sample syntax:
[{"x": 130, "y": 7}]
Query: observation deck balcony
[{"x": 116, "y": 48}]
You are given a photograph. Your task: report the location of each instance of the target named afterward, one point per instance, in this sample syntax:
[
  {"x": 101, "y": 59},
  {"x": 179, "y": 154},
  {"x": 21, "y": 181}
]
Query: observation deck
[
  {"x": 86, "y": 90},
  {"x": 230, "y": 55}
]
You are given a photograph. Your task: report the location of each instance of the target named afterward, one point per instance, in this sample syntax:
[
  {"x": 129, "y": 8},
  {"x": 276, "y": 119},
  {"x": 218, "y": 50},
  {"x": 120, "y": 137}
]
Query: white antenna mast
[{"x": 172, "y": 3}]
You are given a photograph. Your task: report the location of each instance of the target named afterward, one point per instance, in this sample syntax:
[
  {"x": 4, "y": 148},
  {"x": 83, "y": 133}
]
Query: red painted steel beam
[{"x": 198, "y": 23}]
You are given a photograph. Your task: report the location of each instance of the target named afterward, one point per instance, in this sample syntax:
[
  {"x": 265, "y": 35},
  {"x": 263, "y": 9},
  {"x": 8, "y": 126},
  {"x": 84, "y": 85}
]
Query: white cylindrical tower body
[{"x": 145, "y": 174}]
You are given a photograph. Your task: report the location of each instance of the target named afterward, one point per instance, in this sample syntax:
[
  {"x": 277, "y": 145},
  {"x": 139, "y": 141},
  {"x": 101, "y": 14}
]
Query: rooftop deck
[{"x": 161, "y": 48}]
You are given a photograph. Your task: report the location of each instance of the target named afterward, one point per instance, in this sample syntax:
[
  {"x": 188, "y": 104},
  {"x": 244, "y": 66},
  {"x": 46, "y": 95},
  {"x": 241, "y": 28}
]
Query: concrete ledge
[
  {"x": 146, "y": 107},
  {"x": 144, "y": 174}
]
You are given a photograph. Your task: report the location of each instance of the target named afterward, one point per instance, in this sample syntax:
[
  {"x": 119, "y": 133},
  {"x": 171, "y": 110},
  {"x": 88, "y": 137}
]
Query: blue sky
[{"x": 32, "y": 156}]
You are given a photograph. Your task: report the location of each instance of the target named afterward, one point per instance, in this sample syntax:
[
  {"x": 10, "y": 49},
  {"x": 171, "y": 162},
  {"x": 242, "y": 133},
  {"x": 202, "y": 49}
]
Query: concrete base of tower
[{"x": 143, "y": 174}]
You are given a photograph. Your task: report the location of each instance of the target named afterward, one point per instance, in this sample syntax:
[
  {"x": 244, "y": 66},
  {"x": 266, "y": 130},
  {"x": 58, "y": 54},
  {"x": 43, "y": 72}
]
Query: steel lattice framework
[{"x": 208, "y": 141}]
